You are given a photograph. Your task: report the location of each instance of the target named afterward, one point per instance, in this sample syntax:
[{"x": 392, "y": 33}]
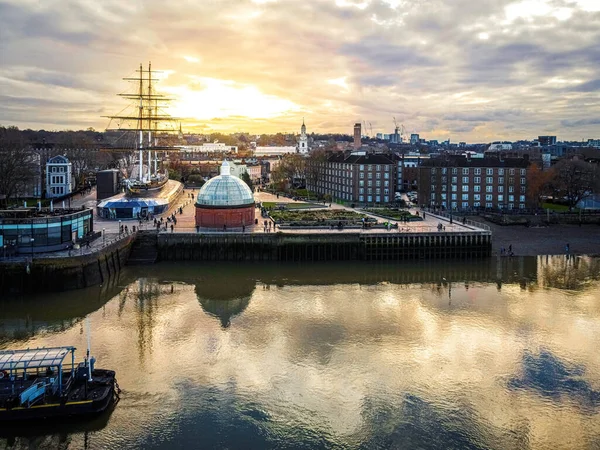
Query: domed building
[{"x": 225, "y": 200}]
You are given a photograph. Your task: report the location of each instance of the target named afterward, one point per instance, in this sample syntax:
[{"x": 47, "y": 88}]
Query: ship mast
[{"x": 146, "y": 118}]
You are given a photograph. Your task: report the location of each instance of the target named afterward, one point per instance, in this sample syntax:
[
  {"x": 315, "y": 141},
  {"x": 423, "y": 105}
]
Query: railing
[{"x": 458, "y": 220}]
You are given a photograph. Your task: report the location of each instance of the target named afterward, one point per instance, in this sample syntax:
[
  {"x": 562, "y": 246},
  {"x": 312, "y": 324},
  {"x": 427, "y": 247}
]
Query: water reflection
[{"x": 487, "y": 355}]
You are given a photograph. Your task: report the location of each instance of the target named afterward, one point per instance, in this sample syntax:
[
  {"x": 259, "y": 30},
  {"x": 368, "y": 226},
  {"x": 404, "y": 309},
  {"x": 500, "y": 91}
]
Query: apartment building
[
  {"x": 458, "y": 182},
  {"x": 359, "y": 177}
]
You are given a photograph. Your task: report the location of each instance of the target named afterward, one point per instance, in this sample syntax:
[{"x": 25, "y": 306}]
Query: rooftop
[{"x": 35, "y": 358}]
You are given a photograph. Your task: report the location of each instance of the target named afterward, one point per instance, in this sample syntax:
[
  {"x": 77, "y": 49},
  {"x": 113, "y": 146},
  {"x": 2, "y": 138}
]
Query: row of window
[
  {"x": 57, "y": 179},
  {"x": 477, "y": 180},
  {"x": 476, "y": 188},
  {"x": 466, "y": 205},
  {"x": 369, "y": 198},
  {"x": 58, "y": 169},
  {"x": 477, "y": 171},
  {"x": 477, "y": 197}
]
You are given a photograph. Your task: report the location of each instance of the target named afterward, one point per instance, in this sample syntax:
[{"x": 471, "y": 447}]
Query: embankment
[{"x": 47, "y": 274}]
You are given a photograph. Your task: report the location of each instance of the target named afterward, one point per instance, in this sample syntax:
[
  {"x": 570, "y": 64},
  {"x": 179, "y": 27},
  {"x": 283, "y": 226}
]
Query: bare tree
[
  {"x": 81, "y": 151},
  {"x": 575, "y": 180},
  {"x": 291, "y": 167},
  {"x": 17, "y": 164}
]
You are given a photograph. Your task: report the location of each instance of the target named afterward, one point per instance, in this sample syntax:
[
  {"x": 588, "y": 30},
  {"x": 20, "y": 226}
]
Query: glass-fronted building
[{"x": 32, "y": 231}]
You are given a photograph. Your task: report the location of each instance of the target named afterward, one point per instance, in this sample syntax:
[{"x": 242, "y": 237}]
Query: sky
[{"x": 464, "y": 70}]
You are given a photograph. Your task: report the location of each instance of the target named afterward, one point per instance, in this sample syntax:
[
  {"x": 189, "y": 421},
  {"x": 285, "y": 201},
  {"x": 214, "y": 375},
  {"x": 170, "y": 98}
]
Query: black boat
[{"x": 35, "y": 385}]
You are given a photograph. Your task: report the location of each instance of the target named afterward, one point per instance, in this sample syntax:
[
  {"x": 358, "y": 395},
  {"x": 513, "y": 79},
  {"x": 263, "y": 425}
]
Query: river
[{"x": 499, "y": 354}]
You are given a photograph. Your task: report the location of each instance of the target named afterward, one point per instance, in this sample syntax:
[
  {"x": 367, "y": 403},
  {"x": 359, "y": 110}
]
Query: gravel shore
[{"x": 582, "y": 240}]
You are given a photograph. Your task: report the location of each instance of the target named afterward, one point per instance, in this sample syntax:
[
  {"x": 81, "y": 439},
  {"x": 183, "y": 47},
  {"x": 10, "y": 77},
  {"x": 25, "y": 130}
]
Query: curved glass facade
[{"x": 225, "y": 190}]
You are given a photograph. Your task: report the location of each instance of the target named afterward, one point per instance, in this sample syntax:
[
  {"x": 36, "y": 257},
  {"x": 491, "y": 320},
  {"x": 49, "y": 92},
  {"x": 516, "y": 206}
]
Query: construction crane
[{"x": 371, "y": 128}]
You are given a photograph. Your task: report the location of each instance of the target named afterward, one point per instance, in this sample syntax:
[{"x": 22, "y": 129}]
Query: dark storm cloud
[{"x": 470, "y": 68}]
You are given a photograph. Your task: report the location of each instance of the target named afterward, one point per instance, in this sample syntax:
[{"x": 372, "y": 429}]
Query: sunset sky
[{"x": 474, "y": 70}]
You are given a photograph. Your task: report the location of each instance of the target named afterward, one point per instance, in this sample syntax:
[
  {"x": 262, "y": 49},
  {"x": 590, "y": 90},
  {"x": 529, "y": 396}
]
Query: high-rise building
[
  {"x": 414, "y": 139},
  {"x": 357, "y": 135},
  {"x": 547, "y": 140}
]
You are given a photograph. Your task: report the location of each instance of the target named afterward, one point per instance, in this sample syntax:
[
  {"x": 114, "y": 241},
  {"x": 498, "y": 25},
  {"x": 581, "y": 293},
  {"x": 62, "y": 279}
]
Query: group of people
[{"x": 505, "y": 252}]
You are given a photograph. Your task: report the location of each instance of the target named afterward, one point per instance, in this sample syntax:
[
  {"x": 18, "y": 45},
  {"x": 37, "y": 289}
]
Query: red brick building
[
  {"x": 458, "y": 182},
  {"x": 225, "y": 201}
]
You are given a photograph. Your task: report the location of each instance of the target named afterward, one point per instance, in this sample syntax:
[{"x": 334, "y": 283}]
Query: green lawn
[
  {"x": 394, "y": 213},
  {"x": 275, "y": 205},
  {"x": 558, "y": 208},
  {"x": 325, "y": 216}
]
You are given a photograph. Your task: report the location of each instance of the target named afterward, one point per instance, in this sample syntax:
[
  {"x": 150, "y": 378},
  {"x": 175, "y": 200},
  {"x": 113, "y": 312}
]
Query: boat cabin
[{"x": 34, "y": 375}]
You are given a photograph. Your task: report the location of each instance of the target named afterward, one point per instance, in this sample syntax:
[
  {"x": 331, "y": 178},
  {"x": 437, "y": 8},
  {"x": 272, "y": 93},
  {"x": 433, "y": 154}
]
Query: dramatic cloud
[{"x": 476, "y": 71}]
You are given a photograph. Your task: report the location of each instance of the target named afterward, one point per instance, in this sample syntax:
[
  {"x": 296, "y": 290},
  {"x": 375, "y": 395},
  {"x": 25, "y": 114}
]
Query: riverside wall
[
  {"x": 63, "y": 273},
  {"x": 326, "y": 246}
]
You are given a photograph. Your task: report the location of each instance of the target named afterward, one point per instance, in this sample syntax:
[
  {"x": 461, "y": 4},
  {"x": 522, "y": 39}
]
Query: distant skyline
[{"x": 475, "y": 71}]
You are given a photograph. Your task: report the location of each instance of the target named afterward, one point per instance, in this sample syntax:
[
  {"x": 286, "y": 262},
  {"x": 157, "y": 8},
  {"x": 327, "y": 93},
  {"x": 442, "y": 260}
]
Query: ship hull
[
  {"x": 101, "y": 394},
  {"x": 143, "y": 188}
]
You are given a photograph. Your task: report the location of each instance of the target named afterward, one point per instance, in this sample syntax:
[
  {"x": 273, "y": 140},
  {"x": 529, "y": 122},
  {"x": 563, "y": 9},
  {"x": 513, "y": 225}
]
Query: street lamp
[
  {"x": 119, "y": 227},
  {"x": 31, "y": 242},
  {"x": 103, "y": 236}
]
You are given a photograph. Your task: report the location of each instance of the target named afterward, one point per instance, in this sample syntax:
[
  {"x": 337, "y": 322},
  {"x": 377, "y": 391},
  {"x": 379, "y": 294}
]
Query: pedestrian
[
  {"x": 172, "y": 228},
  {"x": 243, "y": 228},
  {"x": 197, "y": 228},
  {"x": 510, "y": 248},
  {"x": 424, "y": 217},
  {"x": 567, "y": 248}
]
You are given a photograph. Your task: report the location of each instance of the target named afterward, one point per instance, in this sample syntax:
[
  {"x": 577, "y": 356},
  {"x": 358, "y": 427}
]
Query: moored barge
[{"x": 35, "y": 385}]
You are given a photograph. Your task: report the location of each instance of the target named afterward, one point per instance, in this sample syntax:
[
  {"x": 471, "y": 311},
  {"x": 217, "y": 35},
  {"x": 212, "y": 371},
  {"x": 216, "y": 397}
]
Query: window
[
  {"x": 453, "y": 205},
  {"x": 386, "y": 183},
  {"x": 433, "y": 187},
  {"x": 511, "y": 171},
  {"x": 489, "y": 180},
  {"x": 501, "y": 180},
  {"x": 370, "y": 174},
  {"x": 500, "y": 198},
  {"x": 477, "y": 205},
  {"x": 369, "y": 190},
  {"x": 465, "y": 188},
  {"x": 465, "y": 180},
  {"x": 386, "y": 199},
  {"x": 362, "y": 167},
  {"x": 369, "y": 168},
  {"x": 453, "y": 188},
  {"x": 523, "y": 171},
  {"x": 378, "y": 175},
  {"x": 361, "y": 183},
  {"x": 444, "y": 188},
  {"x": 370, "y": 183},
  {"x": 444, "y": 179},
  {"x": 521, "y": 198},
  {"x": 477, "y": 171},
  {"x": 500, "y": 171},
  {"x": 378, "y": 183},
  {"x": 522, "y": 206},
  {"x": 511, "y": 189},
  {"x": 500, "y": 189},
  {"x": 454, "y": 171},
  {"x": 465, "y": 171},
  {"x": 369, "y": 198},
  {"x": 386, "y": 175},
  {"x": 361, "y": 198},
  {"x": 511, "y": 180},
  {"x": 378, "y": 191},
  {"x": 453, "y": 197},
  {"x": 361, "y": 190},
  {"x": 433, "y": 170},
  {"x": 444, "y": 196},
  {"x": 477, "y": 188},
  {"x": 489, "y": 197},
  {"x": 522, "y": 190},
  {"x": 444, "y": 171},
  {"x": 477, "y": 197},
  {"x": 488, "y": 205},
  {"x": 490, "y": 171},
  {"x": 465, "y": 196},
  {"x": 511, "y": 205},
  {"x": 465, "y": 205},
  {"x": 489, "y": 189},
  {"x": 378, "y": 167},
  {"x": 511, "y": 198},
  {"x": 387, "y": 168},
  {"x": 362, "y": 175},
  {"x": 522, "y": 180},
  {"x": 433, "y": 196},
  {"x": 477, "y": 180}
]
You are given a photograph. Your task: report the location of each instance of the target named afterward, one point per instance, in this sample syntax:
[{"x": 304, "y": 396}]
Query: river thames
[{"x": 499, "y": 354}]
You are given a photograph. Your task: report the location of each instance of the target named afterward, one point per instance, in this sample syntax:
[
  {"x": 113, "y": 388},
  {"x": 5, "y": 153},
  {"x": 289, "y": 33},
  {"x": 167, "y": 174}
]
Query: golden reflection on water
[{"x": 505, "y": 351}]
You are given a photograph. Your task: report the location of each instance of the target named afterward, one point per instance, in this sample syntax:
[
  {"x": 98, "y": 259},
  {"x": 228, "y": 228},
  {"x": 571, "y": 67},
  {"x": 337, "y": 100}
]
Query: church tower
[{"x": 303, "y": 141}]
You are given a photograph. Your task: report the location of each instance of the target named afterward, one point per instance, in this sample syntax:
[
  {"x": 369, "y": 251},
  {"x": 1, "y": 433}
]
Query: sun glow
[{"x": 217, "y": 99}]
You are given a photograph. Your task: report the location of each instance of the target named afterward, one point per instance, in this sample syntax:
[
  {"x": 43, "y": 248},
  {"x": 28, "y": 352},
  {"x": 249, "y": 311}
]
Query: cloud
[{"x": 423, "y": 63}]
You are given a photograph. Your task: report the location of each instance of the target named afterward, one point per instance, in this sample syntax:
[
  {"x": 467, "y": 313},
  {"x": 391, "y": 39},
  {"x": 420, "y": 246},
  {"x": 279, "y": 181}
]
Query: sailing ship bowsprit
[{"x": 148, "y": 121}]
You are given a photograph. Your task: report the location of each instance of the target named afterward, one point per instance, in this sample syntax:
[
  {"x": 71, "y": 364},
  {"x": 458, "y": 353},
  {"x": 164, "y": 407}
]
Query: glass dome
[{"x": 225, "y": 190}]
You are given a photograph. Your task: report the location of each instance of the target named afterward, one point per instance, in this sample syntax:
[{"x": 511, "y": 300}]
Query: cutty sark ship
[
  {"x": 43, "y": 383},
  {"x": 148, "y": 120}
]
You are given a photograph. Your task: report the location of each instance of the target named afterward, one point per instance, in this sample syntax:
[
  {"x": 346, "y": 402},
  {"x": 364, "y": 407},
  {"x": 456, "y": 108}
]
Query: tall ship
[{"x": 148, "y": 121}]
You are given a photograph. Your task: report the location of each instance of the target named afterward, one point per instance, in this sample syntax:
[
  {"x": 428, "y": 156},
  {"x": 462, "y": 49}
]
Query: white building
[
  {"x": 210, "y": 147},
  {"x": 274, "y": 151},
  {"x": 59, "y": 180},
  {"x": 303, "y": 141}
]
